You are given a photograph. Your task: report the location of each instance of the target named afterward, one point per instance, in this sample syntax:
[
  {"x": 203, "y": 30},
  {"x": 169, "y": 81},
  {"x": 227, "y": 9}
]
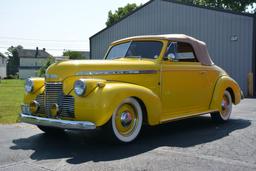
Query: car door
[{"x": 184, "y": 82}]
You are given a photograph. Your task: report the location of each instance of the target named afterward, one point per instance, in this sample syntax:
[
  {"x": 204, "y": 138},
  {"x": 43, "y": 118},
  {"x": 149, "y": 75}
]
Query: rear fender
[{"x": 225, "y": 83}]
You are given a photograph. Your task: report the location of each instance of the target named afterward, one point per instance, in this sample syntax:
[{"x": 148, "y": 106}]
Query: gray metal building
[{"x": 230, "y": 36}]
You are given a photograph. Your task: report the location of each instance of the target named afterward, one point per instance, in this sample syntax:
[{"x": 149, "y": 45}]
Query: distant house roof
[{"x": 33, "y": 53}]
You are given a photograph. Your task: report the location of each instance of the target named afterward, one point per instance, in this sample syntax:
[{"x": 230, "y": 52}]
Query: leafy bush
[
  {"x": 16, "y": 76},
  {"x": 73, "y": 54}
]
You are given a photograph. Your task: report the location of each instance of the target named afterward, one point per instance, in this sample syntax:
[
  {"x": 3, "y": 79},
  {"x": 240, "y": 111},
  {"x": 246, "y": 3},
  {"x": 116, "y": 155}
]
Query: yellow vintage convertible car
[{"x": 144, "y": 79}]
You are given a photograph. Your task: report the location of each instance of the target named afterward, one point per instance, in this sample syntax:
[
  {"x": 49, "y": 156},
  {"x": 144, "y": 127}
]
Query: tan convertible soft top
[{"x": 200, "y": 47}]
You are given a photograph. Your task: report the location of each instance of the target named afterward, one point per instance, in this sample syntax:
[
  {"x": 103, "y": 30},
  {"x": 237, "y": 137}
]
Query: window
[
  {"x": 118, "y": 51},
  {"x": 180, "y": 52},
  {"x": 2, "y": 60},
  {"x": 139, "y": 49}
]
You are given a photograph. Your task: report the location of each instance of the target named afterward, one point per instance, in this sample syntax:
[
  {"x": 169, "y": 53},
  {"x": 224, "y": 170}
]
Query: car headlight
[
  {"x": 80, "y": 87},
  {"x": 29, "y": 86}
]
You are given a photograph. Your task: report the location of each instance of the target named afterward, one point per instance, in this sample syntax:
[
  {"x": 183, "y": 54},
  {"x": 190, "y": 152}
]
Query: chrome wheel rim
[
  {"x": 226, "y": 106},
  {"x": 126, "y": 119}
]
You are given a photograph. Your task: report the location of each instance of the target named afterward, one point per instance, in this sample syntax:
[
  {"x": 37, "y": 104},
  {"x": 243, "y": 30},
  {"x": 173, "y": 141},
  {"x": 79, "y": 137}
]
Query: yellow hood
[{"x": 62, "y": 70}]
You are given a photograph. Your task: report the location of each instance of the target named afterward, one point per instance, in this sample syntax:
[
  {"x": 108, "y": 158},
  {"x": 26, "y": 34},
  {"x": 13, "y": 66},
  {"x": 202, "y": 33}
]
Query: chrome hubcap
[
  {"x": 226, "y": 107},
  {"x": 126, "y": 119}
]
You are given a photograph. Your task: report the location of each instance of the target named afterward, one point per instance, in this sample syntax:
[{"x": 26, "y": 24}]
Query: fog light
[
  {"x": 34, "y": 107},
  {"x": 54, "y": 110}
]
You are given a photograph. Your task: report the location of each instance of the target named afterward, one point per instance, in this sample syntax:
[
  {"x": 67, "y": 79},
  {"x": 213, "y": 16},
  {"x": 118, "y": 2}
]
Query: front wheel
[
  {"x": 126, "y": 121},
  {"x": 226, "y": 109}
]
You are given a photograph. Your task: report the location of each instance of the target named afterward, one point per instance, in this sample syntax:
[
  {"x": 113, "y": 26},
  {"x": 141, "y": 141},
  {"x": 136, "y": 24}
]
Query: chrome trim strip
[
  {"x": 57, "y": 123},
  {"x": 115, "y": 72},
  {"x": 53, "y": 83},
  {"x": 186, "y": 116},
  {"x": 51, "y": 76}
]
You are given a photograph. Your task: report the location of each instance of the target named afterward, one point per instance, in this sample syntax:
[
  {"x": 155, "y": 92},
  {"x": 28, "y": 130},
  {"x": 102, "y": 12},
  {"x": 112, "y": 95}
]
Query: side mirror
[
  {"x": 171, "y": 56},
  {"x": 171, "y": 52}
]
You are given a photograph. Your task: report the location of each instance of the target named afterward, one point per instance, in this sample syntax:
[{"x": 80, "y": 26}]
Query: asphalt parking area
[{"x": 191, "y": 144}]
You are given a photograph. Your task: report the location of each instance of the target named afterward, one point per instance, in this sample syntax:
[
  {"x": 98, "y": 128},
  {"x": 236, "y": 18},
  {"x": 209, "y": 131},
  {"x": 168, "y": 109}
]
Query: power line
[
  {"x": 54, "y": 49},
  {"x": 34, "y": 41},
  {"x": 45, "y": 40}
]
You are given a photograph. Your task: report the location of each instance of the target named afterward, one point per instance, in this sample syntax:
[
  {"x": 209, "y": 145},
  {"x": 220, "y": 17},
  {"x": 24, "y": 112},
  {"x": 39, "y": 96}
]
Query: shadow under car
[{"x": 86, "y": 146}]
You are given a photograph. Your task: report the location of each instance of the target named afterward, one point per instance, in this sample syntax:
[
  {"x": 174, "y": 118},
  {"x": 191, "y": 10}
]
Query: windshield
[{"x": 138, "y": 49}]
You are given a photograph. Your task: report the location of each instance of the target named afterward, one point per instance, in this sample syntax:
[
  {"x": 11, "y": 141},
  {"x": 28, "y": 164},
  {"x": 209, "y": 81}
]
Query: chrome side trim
[
  {"x": 186, "y": 116},
  {"x": 117, "y": 72},
  {"x": 57, "y": 123}
]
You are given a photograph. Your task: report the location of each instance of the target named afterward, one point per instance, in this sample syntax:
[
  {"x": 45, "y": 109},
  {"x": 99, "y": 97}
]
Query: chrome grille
[
  {"x": 40, "y": 100},
  {"x": 67, "y": 107},
  {"x": 54, "y": 94}
]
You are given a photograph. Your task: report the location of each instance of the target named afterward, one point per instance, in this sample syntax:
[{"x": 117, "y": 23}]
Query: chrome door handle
[{"x": 203, "y": 72}]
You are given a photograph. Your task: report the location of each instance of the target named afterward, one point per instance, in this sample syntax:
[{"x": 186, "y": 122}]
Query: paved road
[{"x": 192, "y": 144}]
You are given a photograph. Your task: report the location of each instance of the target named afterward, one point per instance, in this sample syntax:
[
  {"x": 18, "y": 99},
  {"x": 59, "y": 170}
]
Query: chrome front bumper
[{"x": 64, "y": 124}]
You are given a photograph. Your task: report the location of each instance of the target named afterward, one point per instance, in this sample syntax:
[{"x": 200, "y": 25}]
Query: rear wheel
[
  {"x": 51, "y": 130},
  {"x": 126, "y": 121},
  {"x": 226, "y": 109}
]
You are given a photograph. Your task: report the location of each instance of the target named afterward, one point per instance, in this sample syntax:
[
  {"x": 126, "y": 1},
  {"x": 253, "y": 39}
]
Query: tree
[
  {"x": 41, "y": 72},
  {"x": 14, "y": 60},
  {"x": 234, "y": 5},
  {"x": 73, "y": 54},
  {"x": 120, "y": 13},
  {"x": 254, "y": 7}
]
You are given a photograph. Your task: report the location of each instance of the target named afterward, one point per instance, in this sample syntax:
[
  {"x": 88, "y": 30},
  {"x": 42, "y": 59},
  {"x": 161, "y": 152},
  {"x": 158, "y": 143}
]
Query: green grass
[{"x": 11, "y": 97}]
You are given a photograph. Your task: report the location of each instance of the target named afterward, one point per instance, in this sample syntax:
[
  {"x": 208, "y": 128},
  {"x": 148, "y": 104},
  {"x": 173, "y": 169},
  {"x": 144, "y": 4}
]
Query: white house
[
  {"x": 3, "y": 65},
  {"x": 31, "y": 61}
]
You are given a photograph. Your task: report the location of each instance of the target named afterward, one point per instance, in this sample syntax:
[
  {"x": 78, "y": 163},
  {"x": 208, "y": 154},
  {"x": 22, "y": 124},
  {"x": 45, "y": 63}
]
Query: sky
[{"x": 54, "y": 24}]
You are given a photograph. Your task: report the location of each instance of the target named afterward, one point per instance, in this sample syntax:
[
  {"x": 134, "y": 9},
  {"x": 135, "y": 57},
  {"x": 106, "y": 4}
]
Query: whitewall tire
[
  {"x": 126, "y": 121},
  {"x": 226, "y": 109}
]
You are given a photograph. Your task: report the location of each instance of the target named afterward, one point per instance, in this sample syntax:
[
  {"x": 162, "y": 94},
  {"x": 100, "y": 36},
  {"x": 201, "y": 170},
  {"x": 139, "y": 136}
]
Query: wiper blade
[
  {"x": 134, "y": 57},
  {"x": 139, "y": 57},
  {"x": 117, "y": 58}
]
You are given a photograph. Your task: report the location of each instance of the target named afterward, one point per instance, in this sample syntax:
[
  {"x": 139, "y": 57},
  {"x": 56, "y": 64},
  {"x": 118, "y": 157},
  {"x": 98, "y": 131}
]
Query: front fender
[
  {"x": 99, "y": 105},
  {"x": 225, "y": 83},
  {"x": 38, "y": 89}
]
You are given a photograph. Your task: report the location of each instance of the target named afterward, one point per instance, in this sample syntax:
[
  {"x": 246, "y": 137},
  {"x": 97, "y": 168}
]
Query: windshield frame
[{"x": 130, "y": 41}]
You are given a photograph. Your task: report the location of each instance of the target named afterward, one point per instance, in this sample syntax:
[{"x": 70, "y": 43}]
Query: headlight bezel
[
  {"x": 29, "y": 85},
  {"x": 80, "y": 87}
]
